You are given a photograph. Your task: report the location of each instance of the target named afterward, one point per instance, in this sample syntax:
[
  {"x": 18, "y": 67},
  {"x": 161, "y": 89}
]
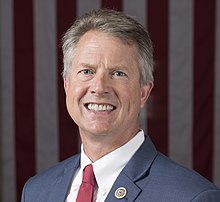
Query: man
[{"x": 108, "y": 67}]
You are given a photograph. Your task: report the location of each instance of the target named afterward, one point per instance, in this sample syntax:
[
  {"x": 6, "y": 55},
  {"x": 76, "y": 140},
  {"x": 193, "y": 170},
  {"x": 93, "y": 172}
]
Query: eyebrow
[
  {"x": 116, "y": 67},
  {"x": 86, "y": 65}
]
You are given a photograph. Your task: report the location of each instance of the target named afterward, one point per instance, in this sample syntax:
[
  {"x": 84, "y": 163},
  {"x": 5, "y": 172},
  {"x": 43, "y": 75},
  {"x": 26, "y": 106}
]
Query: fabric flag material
[{"x": 182, "y": 115}]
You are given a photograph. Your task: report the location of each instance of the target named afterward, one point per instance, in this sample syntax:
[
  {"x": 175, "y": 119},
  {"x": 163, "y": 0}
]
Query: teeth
[{"x": 100, "y": 108}]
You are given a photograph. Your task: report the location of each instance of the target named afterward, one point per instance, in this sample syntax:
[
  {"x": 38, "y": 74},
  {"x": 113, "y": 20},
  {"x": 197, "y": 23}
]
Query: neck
[{"x": 97, "y": 146}]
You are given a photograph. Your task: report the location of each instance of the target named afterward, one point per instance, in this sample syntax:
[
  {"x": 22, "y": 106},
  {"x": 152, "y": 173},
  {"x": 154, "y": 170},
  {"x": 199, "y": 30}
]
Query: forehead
[{"x": 100, "y": 47}]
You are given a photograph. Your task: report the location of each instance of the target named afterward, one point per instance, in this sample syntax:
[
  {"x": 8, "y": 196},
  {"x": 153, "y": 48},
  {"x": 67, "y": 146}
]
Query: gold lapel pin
[{"x": 120, "y": 193}]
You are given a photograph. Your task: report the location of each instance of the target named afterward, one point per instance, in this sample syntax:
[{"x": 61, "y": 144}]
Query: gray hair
[{"x": 117, "y": 24}]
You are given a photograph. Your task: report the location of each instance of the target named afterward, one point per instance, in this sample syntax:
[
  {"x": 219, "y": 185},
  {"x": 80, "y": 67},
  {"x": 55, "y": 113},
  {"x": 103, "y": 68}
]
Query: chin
[{"x": 99, "y": 131}]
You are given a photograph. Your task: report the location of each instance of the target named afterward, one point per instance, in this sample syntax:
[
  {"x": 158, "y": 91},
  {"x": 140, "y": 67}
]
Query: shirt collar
[{"x": 107, "y": 168}]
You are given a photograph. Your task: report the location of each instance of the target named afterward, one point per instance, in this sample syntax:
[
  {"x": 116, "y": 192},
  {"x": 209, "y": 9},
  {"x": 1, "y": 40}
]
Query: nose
[{"x": 100, "y": 84}]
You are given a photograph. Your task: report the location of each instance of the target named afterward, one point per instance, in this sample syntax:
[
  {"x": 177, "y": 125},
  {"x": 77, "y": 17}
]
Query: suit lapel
[
  {"x": 61, "y": 185},
  {"x": 123, "y": 181},
  {"x": 130, "y": 176}
]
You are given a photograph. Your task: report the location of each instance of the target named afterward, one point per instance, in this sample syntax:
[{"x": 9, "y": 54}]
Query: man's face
[{"x": 103, "y": 92}]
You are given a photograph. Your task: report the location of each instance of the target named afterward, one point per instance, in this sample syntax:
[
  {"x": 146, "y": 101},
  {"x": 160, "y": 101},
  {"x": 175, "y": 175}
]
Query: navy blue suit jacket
[{"x": 149, "y": 176}]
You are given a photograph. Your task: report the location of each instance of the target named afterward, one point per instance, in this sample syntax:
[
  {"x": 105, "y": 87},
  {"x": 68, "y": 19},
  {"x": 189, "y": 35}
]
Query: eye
[
  {"x": 119, "y": 74},
  {"x": 86, "y": 72}
]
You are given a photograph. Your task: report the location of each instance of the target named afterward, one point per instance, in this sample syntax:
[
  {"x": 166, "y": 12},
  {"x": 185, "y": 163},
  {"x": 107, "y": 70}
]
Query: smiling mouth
[{"x": 100, "y": 107}]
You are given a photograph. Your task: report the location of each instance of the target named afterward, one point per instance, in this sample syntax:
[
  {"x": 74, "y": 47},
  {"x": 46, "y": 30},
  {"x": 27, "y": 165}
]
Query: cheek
[
  {"x": 130, "y": 95},
  {"x": 71, "y": 90},
  {"x": 134, "y": 90},
  {"x": 70, "y": 96},
  {"x": 135, "y": 98},
  {"x": 75, "y": 93},
  {"x": 73, "y": 98}
]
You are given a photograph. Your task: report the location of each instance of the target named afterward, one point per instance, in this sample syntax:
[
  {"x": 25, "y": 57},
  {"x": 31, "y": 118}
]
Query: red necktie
[{"x": 86, "y": 189}]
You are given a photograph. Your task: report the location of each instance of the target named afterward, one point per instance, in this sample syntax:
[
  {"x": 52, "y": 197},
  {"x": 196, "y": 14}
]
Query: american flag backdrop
[{"x": 182, "y": 115}]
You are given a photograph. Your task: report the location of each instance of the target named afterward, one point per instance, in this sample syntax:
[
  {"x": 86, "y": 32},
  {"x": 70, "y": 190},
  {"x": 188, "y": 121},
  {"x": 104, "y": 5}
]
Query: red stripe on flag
[
  {"x": 68, "y": 131},
  {"x": 113, "y": 4},
  {"x": 24, "y": 92},
  {"x": 203, "y": 113},
  {"x": 157, "y": 121}
]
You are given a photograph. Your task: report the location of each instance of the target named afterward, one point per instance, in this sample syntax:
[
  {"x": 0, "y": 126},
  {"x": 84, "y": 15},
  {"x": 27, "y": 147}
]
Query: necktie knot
[{"x": 88, "y": 174}]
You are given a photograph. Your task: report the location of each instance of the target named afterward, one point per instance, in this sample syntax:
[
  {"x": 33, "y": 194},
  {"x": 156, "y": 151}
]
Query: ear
[
  {"x": 145, "y": 92},
  {"x": 65, "y": 85}
]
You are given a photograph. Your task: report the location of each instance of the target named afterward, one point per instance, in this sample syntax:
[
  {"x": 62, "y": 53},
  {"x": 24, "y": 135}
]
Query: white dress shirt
[{"x": 106, "y": 169}]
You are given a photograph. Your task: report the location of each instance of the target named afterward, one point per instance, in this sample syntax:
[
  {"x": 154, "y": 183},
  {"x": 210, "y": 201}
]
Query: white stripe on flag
[
  {"x": 180, "y": 81},
  {"x": 47, "y": 150},
  {"x": 84, "y": 6},
  {"x": 217, "y": 99},
  {"x": 8, "y": 176},
  {"x": 138, "y": 10}
]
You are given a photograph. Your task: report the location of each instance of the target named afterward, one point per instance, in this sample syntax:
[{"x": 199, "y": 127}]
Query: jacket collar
[
  {"x": 63, "y": 181},
  {"x": 134, "y": 171}
]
